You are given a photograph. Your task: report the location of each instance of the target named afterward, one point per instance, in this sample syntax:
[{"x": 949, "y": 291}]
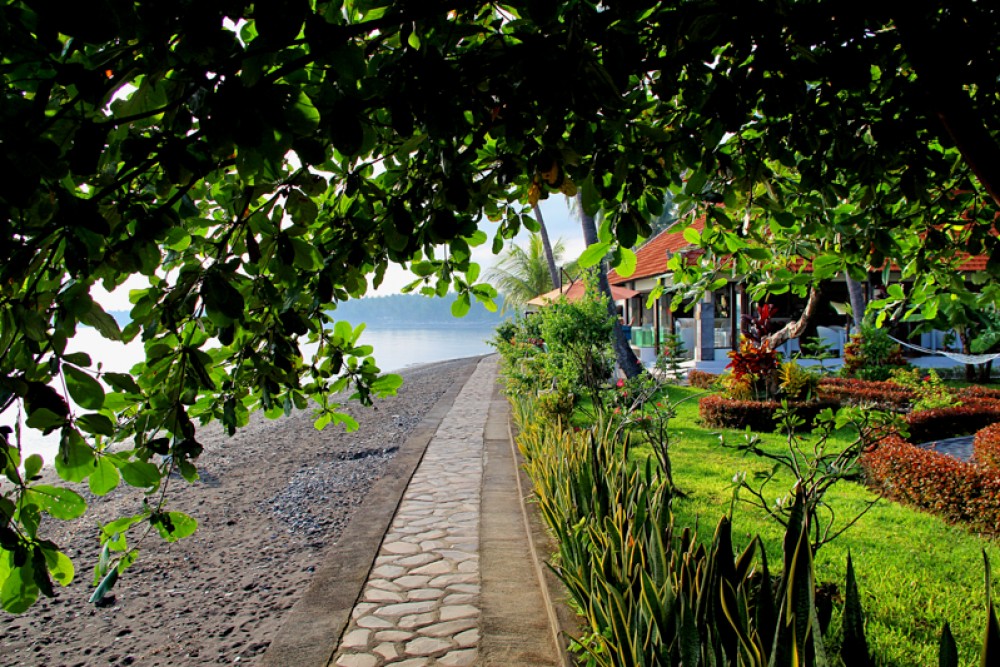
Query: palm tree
[{"x": 522, "y": 274}]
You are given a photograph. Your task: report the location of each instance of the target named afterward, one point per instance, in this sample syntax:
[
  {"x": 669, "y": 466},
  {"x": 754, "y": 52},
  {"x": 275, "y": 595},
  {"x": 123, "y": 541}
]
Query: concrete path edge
[
  {"x": 563, "y": 621},
  {"x": 311, "y": 631}
]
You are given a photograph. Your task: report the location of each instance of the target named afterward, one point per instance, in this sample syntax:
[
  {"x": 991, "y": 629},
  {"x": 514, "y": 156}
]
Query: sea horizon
[{"x": 395, "y": 350}]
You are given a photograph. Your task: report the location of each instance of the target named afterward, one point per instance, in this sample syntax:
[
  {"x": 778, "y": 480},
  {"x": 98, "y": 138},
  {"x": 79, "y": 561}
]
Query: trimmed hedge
[
  {"x": 978, "y": 392},
  {"x": 850, "y": 391},
  {"x": 929, "y": 425},
  {"x": 957, "y": 491},
  {"x": 986, "y": 447},
  {"x": 719, "y": 412},
  {"x": 701, "y": 379}
]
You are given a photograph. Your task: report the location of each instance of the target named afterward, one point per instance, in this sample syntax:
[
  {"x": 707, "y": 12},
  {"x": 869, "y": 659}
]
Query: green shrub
[
  {"x": 797, "y": 383},
  {"x": 871, "y": 355},
  {"x": 928, "y": 388}
]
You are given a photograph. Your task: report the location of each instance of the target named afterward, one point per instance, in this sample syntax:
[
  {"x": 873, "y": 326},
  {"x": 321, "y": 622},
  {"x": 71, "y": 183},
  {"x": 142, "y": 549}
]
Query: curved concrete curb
[{"x": 311, "y": 631}]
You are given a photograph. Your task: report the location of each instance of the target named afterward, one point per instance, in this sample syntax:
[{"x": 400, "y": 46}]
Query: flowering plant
[{"x": 755, "y": 364}]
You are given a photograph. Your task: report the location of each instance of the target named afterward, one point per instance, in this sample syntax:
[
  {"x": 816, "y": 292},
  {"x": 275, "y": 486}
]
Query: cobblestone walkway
[
  {"x": 420, "y": 605},
  {"x": 960, "y": 448}
]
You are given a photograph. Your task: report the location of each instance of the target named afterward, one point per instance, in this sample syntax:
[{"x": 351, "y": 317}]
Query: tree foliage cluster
[{"x": 261, "y": 162}]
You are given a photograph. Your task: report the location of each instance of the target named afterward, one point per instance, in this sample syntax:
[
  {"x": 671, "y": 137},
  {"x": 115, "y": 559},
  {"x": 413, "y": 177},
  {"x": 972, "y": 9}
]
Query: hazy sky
[{"x": 555, "y": 210}]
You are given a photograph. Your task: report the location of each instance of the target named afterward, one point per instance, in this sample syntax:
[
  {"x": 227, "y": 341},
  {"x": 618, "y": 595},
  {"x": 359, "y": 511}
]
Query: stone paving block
[
  {"x": 388, "y": 571},
  {"x": 379, "y": 595},
  {"x": 437, "y": 567},
  {"x": 393, "y": 636},
  {"x": 424, "y": 594},
  {"x": 449, "y": 628},
  {"x": 417, "y": 620},
  {"x": 406, "y": 608},
  {"x": 356, "y": 639},
  {"x": 427, "y": 646},
  {"x": 451, "y": 612},
  {"x": 374, "y": 623},
  {"x": 468, "y": 638},
  {"x": 412, "y": 581},
  {"x": 463, "y": 658},
  {"x": 357, "y": 660}
]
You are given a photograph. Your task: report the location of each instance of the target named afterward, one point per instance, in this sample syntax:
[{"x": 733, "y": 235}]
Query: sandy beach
[{"x": 271, "y": 501}]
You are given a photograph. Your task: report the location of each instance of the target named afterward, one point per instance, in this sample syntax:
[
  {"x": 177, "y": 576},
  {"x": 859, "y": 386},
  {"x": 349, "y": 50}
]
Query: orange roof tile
[{"x": 651, "y": 258}]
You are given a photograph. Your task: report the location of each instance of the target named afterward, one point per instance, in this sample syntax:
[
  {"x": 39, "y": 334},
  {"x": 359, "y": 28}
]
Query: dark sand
[{"x": 271, "y": 500}]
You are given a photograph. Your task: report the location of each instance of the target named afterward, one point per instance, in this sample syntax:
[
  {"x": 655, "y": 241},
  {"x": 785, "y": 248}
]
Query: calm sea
[{"x": 395, "y": 350}]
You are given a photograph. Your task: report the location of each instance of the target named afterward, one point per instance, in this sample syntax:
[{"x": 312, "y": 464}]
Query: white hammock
[{"x": 973, "y": 359}]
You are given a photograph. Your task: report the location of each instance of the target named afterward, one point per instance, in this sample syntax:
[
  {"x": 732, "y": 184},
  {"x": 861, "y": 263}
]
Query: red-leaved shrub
[
  {"x": 928, "y": 425},
  {"x": 701, "y": 379},
  {"x": 986, "y": 447},
  {"x": 955, "y": 490},
  {"x": 850, "y": 391},
  {"x": 719, "y": 412},
  {"x": 977, "y": 392}
]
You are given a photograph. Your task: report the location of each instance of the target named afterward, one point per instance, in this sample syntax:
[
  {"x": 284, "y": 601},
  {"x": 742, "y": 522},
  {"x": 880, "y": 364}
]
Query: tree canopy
[{"x": 261, "y": 162}]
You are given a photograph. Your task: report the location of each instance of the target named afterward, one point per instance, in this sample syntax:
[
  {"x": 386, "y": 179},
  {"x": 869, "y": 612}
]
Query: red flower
[{"x": 620, "y": 383}]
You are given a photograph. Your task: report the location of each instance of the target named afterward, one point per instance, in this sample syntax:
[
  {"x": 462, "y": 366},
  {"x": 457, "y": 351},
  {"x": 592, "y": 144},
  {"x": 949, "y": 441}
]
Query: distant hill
[
  {"x": 400, "y": 310},
  {"x": 414, "y": 311}
]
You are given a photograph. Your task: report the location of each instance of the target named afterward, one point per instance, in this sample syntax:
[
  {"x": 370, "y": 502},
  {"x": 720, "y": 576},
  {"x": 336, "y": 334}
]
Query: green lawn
[{"x": 914, "y": 571}]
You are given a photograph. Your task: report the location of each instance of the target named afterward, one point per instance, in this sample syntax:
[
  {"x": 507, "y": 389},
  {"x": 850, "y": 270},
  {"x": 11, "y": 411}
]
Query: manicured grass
[{"x": 914, "y": 571}]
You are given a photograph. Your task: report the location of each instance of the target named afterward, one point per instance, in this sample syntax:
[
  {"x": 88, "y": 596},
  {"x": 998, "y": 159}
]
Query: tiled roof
[
  {"x": 974, "y": 263},
  {"x": 651, "y": 258}
]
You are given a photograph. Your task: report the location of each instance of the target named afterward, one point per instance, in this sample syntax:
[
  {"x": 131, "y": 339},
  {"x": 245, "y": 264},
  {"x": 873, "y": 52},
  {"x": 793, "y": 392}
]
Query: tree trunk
[
  {"x": 623, "y": 351},
  {"x": 970, "y": 369},
  {"x": 856, "y": 293},
  {"x": 795, "y": 329},
  {"x": 549, "y": 257}
]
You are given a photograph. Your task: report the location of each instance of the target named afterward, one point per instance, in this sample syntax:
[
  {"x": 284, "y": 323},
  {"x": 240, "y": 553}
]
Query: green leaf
[
  {"x": 990, "y": 653},
  {"x": 106, "y": 325},
  {"x": 947, "y": 649},
  {"x": 75, "y": 459},
  {"x": 626, "y": 267},
  {"x": 103, "y": 588},
  {"x": 854, "y": 648},
  {"x": 44, "y": 419},
  {"x": 83, "y": 388},
  {"x": 173, "y": 526},
  {"x": 460, "y": 307},
  {"x": 32, "y": 466},
  {"x": 122, "y": 382},
  {"x": 59, "y": 566},
  {"x": 57, "y": 501},
  {"x": 77, "y": 358},
  {"x": 141, "y": 474},
  {"x": 414, "y": 41},
  {"x": 302, "y": 115},
  {"x": 692, "y": 236},
  {"x": 96, "y": 423},
  {"x": 105, "y": 478},
  {"x": 19, "y": 591},
  {"x": 386, "y": 385},
  {"x": 593, "y": 255}
]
